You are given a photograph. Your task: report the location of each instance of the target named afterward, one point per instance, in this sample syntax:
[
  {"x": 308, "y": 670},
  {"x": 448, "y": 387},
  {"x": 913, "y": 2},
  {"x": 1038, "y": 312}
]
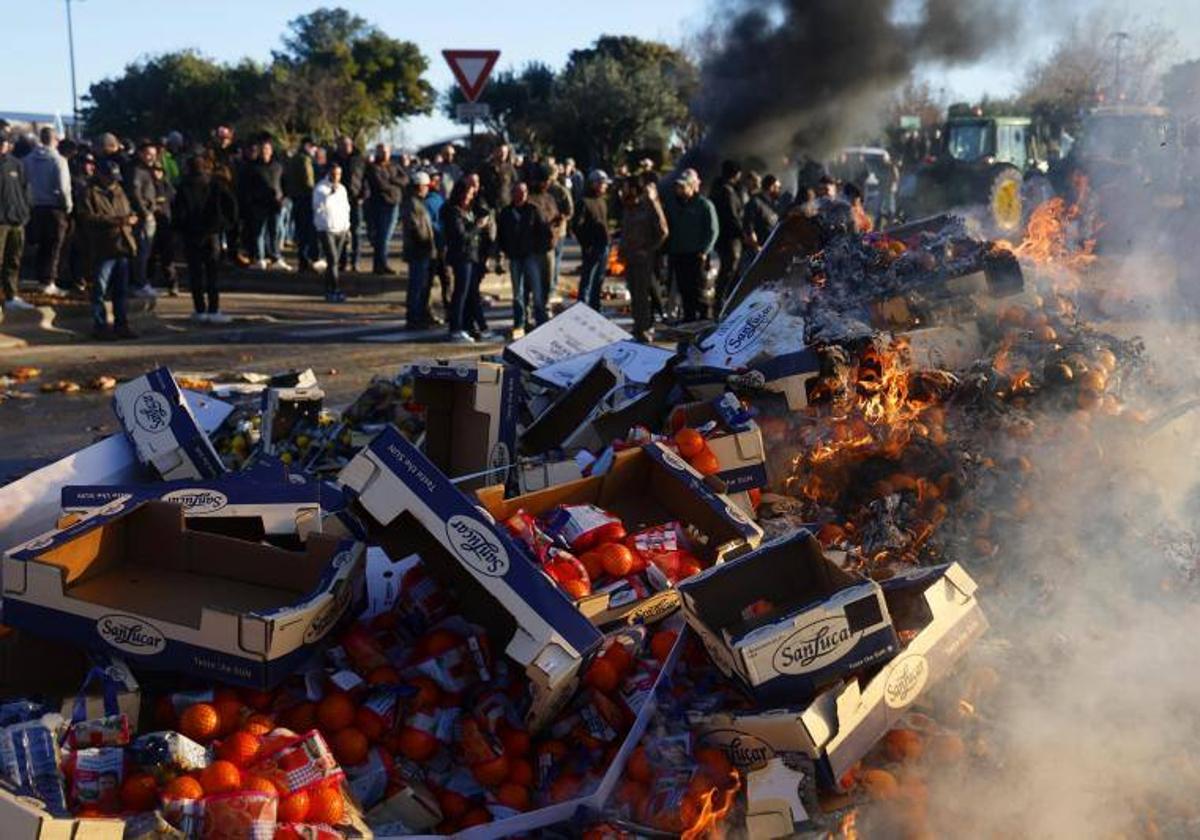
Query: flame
[
  {"x": 848, "y": 830},
  {"x": 709, "y": 818},
  {"x": 1051, "y": 237},
  {"x": 616, "y": 265}
]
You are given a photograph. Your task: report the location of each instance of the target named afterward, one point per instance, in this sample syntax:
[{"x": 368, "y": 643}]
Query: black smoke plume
[{"x": 788, "y": 76}]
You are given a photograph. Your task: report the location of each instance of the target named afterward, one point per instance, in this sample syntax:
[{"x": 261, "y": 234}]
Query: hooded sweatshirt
[{"x": 49, "y": 178}]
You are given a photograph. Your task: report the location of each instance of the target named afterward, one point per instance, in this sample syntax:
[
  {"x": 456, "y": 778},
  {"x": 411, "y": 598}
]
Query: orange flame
[
  {"x": 616, "y": 265},
  {"x": 709, "y": 818},
  {"x": 848, "y": 830},
  {"x": 1047, "y": 242}
]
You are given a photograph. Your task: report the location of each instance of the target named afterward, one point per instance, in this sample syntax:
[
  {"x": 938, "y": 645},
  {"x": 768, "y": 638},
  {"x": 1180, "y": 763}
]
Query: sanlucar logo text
[
  {"x": 198, "y": 500},
  {"x": 905, "y": 681},
  {"x": 131, "y": 634},
  {"x": 814, "y": 646},
  {"x": 478, "y": 548},
  {"x": 742, "y": 334},
  {"x": 151, "y": 411},
  {"x": 741, "y": 748}
]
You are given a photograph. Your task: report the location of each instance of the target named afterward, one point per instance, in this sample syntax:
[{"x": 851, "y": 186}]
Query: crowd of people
[{"x": 109, "y": 219}]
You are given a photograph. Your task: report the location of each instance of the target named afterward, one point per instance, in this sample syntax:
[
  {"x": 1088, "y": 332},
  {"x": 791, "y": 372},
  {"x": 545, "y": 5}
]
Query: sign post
[{"x": 471, "y": 69}]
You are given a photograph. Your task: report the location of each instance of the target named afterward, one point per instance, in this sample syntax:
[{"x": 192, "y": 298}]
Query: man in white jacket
[
  {"x": 50, "y": 182},
  {"x": 331, "y": 218}
]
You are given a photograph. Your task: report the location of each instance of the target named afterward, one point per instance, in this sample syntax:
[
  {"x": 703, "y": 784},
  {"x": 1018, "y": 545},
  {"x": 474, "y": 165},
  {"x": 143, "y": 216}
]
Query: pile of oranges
[{"x": 694, "y": 448}]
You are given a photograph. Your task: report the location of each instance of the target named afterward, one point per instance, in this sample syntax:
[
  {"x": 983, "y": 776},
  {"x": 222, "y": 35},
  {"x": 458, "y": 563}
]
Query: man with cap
[
  {"x": 15, "y": 201},
  {"x": 692, "y": 222},
  {"x": 590, "y": 227},
  {"x": 417, "y": 227},
  {"x": 107, "y": 221}
]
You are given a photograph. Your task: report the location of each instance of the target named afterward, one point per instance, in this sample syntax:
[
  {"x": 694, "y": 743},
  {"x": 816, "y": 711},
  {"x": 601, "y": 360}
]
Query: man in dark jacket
[
  {"x": 204, "y": 208},
  {"x": 354, "y": 177},
  {"x": 108, "y": 221},
  {"x": 762, "y": 212},
  {"x": 386, "y": 183},
  {"x": 265, "y": 197},
  {"x": 298, "y": 182},
  {"x": 727, "y": 199},
  {"x": 521, "y": 231},
  {"x": 692, "y": 223},
  {"x": 162, "y": 251},
  {"x": 15, "y": 202},
  {"x": 590, "y": 227},
  {"x": 418, "y": 251},
  {"x": 643, "y": 232},
  {"x": 496, "y": 180},
  {"x": 139, "y": 189}
]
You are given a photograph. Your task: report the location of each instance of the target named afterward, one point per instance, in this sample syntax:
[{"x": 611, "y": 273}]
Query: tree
[
  {"x": 916, "y": 99},
  {"x": 182, "y": 91},
  {"x": 522, "y": 105},
  {"x": 1081, "y": 71}
]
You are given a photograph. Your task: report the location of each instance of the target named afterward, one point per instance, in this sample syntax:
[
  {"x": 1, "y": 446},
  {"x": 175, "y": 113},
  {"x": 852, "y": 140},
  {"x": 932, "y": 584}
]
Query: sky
[{"x": 111, "y": 33}]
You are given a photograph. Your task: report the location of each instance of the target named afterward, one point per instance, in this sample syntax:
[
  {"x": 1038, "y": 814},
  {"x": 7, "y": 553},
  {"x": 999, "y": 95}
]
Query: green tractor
[{"x": 981, "y": 161}]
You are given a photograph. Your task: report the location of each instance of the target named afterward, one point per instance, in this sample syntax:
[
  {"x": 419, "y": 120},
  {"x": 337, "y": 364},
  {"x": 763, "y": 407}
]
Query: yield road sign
[{"x": 471, "y": 69}]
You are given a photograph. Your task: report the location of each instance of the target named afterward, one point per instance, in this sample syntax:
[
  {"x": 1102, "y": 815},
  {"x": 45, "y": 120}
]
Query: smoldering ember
[{"x": 784, "y": 428}]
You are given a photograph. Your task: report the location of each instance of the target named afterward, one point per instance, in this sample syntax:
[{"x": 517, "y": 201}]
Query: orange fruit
[
  {"x": 514, "y": 796},
  {"x": 293, "y": 808},
  {"x": 755, "y": 497},
  {"x": 602, "y": 675},
  {"x": 259, "y": 784},
  {"x": 240, "y": 748},
  {"x": 903, "y": 745},
  {"x": 661, "y": 644},
  {"x": 620, "y": 657},
  {"x": 383, "y": 675},
  {"x": 258, "y": 724},
  {"x": 427, "y": 694},
  {"x": 476, "y": 816},
  {"x": 300, "y": 718},
  {"x": 639, "y": 768},
  {"x": 566, "y": 786},
  {"x": 260, "y": 701},
  {"x": 576, "y": 589},
  {"x": 879, "y": 784},
  {"x": 440, "y": 641},
  {"x": 183, "y": 787},
  {"x": 616, "y": 558},
  {"x": 690, "y": 442},
  {"x": 491, "y": 772},
  {"x": 220, "y": 777},
  {"x": 229, "y": 710},
  {"x": 200, "y": 722},
  {"x": 947, "y": 748},
  {"x": 515, "y": 741},
  {"x": 520, "y": 772},
  {"x": 370, "y": 723},
  {"x": 326, "y": 805},
  {"x": 592, "y": 563},
  {"x": 417, "y": 744},
  {"x": 350, "y": 747},
  {"x": 453, "y": 804},
  {"x": 286, "y": 832},
  {"x": 705, "y": 463},
  {"x": 139, "y": 792},
  {"x": 335, "y": 712}
]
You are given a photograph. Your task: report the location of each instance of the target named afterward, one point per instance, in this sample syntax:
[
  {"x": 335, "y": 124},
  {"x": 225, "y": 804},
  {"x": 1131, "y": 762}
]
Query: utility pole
[
  {"x": 71, "y": 45},
  {"x": 1120, "y": 38}
]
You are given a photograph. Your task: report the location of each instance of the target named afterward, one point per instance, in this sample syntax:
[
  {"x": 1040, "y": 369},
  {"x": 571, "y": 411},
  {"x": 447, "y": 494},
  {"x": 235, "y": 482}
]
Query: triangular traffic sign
[{"x": 471, "y": 68}]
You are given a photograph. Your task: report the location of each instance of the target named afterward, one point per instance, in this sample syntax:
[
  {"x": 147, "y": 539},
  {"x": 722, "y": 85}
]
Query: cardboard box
[
  {"x": 759, "y": 342},
  {"x": 778, "y": 799},
  {"x": 945, "y": 348},
  {"x": 286, "y": 406},
  {"x": 31, "y": 504},
  {"x": 750, "y": 739},
  {"x": 133, "y": 580},
  {"x": 236, "y": 507},
  {"x": 538, "y": 474},
  {"x": 470, "y": 418},
  {"x": 637, "y": 363},
  {"x": 739, "y": 451},
  {"x": 646, "y": 486},
  {"x": 163, "y": 429},
  {"x": 552, "y": 428},
  {"x": 786, "y": 621},
  {"x": 577, "y": 329},
  {"x": 937, "y": 603},
  {"x": 495, "y": 577},
  {"x": 26, "y": 818}
]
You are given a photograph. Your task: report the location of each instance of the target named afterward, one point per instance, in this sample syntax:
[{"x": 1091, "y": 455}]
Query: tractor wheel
[{"x": 1004, "y": 201}]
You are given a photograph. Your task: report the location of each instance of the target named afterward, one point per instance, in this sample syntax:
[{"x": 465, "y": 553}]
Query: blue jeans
[
  {"x": 268, "y": 233},
  {"x": 558, "y": 252},
  {"x": 386, "y": 216},
  {"x": 145, "y": 240},
  {"x": 466, "y": 307},
  {"x": 418, "y": 292},
  {"x": 591, "y": 276},
  {"x": 112, "y": 276},
  {"x": 526, "y": 273}
]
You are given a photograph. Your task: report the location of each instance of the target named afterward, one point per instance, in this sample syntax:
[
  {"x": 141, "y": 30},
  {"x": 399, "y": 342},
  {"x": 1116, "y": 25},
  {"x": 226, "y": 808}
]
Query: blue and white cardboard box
[
  {"x": 577, "y": 329},
  {"x": 131, "y": 579},
  {"x": 266, "y": 510},
  {"x": 739, "y": 449},
  {"x": 936, "y": 603},
  {"x": 549, "y": 637},
  {"x": 787, "y": 622},
  {"x": 636, "y": 362},
  {"x": 282, "y": 408},
  {"x": 760, "y": 341},
  {"x": 163, "y": 429},
  {"x": 471, "y": 410}
]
